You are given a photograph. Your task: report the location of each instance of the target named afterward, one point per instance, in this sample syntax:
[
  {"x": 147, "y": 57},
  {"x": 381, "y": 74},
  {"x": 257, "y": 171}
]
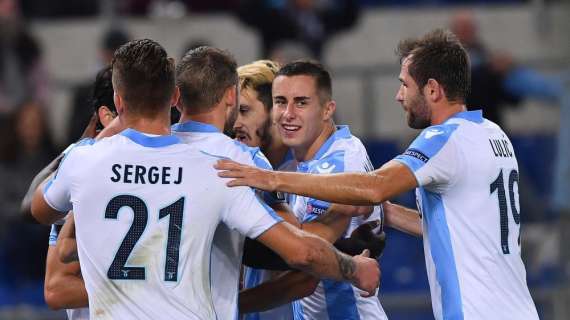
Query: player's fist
[{"x": 366, "y": 276}]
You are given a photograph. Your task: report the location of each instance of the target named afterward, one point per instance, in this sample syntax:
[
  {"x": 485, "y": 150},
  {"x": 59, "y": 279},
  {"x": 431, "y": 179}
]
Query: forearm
[
  {"x": 66, "y": 243},
  {"x": 26, "y": 205},
  {"x": 403, "y": 219},
  {"x": 287, "y": 287},
  {"x": 345, "y": 188},
  {"x": 332, "y": 224},
  {"x": 323, "y": 260}
]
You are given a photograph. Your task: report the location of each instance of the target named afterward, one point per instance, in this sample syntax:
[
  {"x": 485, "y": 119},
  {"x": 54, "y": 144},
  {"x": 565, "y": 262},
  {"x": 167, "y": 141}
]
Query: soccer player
[
  {"x": 466, "y": 174},
  {"x": 146, "y": 207},
  {"x": 253, "y": 126},
  {"x": 303, "y": 110},
  {"x": 208, "y": 79},
  {"x": 64, "y": 286}
]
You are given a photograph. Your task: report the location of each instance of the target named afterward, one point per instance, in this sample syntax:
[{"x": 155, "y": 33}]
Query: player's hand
[
  {"x": 244, "y": 175},
  {"x": 374, "y": 241},
  {"x": 90, "y": 130},
  {"x": 367, "y": 274}
]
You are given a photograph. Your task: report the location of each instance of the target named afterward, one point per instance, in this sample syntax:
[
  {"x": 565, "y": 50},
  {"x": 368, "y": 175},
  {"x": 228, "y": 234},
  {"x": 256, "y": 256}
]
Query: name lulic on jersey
[{"x": 501, "y": 148}]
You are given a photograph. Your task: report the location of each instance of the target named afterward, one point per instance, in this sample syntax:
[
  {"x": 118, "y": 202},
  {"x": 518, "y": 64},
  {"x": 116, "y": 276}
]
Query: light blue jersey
[
  {"x": 468, "y": 180},
  {"x": 332, "y": 300}
]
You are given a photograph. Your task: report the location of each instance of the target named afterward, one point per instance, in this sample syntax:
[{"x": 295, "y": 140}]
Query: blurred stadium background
[{"x": 51, "y": 50}]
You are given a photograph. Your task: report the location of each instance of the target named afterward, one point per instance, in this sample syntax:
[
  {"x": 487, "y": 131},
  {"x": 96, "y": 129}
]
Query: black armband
[{"x": 257, "y": 255}]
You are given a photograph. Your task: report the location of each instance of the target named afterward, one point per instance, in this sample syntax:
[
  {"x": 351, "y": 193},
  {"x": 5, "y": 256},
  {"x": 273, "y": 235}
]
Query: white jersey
[
  {"x": 468, "y": 179},
  {"x": 72, "y": 314},
  {"x": 227, "y": 251},
  {"x": 146, "y": 209},
  {"x": 342, "y": 152}
]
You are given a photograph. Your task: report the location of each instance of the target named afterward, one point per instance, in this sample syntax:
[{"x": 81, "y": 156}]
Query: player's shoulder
[
  {"x": 436, "y": 136},
  {"x": 341, "y": 148}
]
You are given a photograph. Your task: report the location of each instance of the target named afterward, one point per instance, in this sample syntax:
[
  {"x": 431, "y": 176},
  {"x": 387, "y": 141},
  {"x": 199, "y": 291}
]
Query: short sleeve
[
  {"x": 433, "y": 157},
  {"x": 246, "y": 214},
  {"x": 57, "y": 191}
]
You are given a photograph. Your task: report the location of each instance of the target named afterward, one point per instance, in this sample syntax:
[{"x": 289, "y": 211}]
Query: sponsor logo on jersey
[{"x": 415, "y": 153}]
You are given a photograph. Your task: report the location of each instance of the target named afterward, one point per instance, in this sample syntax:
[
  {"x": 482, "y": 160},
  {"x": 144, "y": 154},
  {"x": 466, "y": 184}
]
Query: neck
[
  {"x": 159, "y": 125},
  {"x": 275, "y": 152},
  {"x": 307, "y": 153},
  {"x": 215, "y": 116},
  {"x": 445, "y": 112}
]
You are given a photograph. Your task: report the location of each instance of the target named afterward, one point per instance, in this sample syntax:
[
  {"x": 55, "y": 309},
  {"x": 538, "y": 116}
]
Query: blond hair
[{"x": 258, "y": 76}]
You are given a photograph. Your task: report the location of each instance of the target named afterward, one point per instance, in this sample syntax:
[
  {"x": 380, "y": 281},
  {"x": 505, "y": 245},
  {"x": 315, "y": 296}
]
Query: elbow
[
  {"x": 302, "y": 257},
  {"x": 52, "y": 296}
]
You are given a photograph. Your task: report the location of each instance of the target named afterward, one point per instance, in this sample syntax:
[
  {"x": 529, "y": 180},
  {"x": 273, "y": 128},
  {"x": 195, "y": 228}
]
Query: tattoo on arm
[{"x": 345, "y": 264}]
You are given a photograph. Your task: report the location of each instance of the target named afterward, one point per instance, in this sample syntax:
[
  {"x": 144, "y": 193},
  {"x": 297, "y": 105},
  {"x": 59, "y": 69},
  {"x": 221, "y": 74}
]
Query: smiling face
[
  {"x": 253, "y": 121},
  {"x": 414, "y": 103},
  {"x": 297, "y": 110}
]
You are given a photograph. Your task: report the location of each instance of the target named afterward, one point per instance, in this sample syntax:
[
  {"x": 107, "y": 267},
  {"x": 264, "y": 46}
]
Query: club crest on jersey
[
  {"x": 325, "y": 167},
  {"x": 432, "y": 133}
]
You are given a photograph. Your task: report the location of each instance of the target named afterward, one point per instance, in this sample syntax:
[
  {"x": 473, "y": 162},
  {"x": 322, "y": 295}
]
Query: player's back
[
  {"x": 471, "y": 220},
  {"x": 227, "y": 250},
  {"x": 146, "y": 210}
]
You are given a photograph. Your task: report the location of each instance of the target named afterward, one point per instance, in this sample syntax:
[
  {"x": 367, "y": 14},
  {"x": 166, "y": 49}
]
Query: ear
[
  {"x": 433, "y": 91},
  {"x": 230, "y": 97},
  {"x": 175, "y": 99},
  {"x": 105, "y": 115},
  {"x": 328, "y": 110},
  {"x": 118, "y": 103}
]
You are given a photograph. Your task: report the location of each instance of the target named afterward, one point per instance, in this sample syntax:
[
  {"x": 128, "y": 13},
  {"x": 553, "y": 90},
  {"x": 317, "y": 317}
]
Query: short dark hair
[
  {"x": 102, "y": 94},
  {"x": 440, "y": 56},
  {"x": 313, "y": 69},
  {"x": 203, "y": 76},
  {"x": 144, "y": 75}
]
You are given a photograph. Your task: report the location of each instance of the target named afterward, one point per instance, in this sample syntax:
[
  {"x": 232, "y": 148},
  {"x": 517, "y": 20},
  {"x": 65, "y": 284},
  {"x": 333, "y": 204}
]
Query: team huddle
[{"x": 256, "y": 205}]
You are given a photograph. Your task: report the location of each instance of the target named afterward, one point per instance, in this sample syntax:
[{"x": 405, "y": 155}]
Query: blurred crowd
[{"x": 288, "y": 29}]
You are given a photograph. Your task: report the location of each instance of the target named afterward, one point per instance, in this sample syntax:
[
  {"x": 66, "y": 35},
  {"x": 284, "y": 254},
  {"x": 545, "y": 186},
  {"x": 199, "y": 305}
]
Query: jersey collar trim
[
  {"x": 473, "y": 116},
  {"x": 342, "y": 132},
  {"x": 150, "y": 141},
  {"x": 194, "y": 126}
]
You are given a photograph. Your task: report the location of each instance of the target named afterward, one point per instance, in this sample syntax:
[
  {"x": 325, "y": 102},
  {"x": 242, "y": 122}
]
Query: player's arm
[
  {"x": 66, "y": 242},
  {"x": 41, "y": 210},
  {"x": 371, "y": 188},
  {"x": 257, "y": 255},
  {"x": 287, "y": 287},
  {"x": 63, "y": 287},
  {"x": 46, "y": 173},
  {"x": 403, "y": 219},
  {"x": 314, "y": 255},
  {"x": 41, "y": 177}
]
